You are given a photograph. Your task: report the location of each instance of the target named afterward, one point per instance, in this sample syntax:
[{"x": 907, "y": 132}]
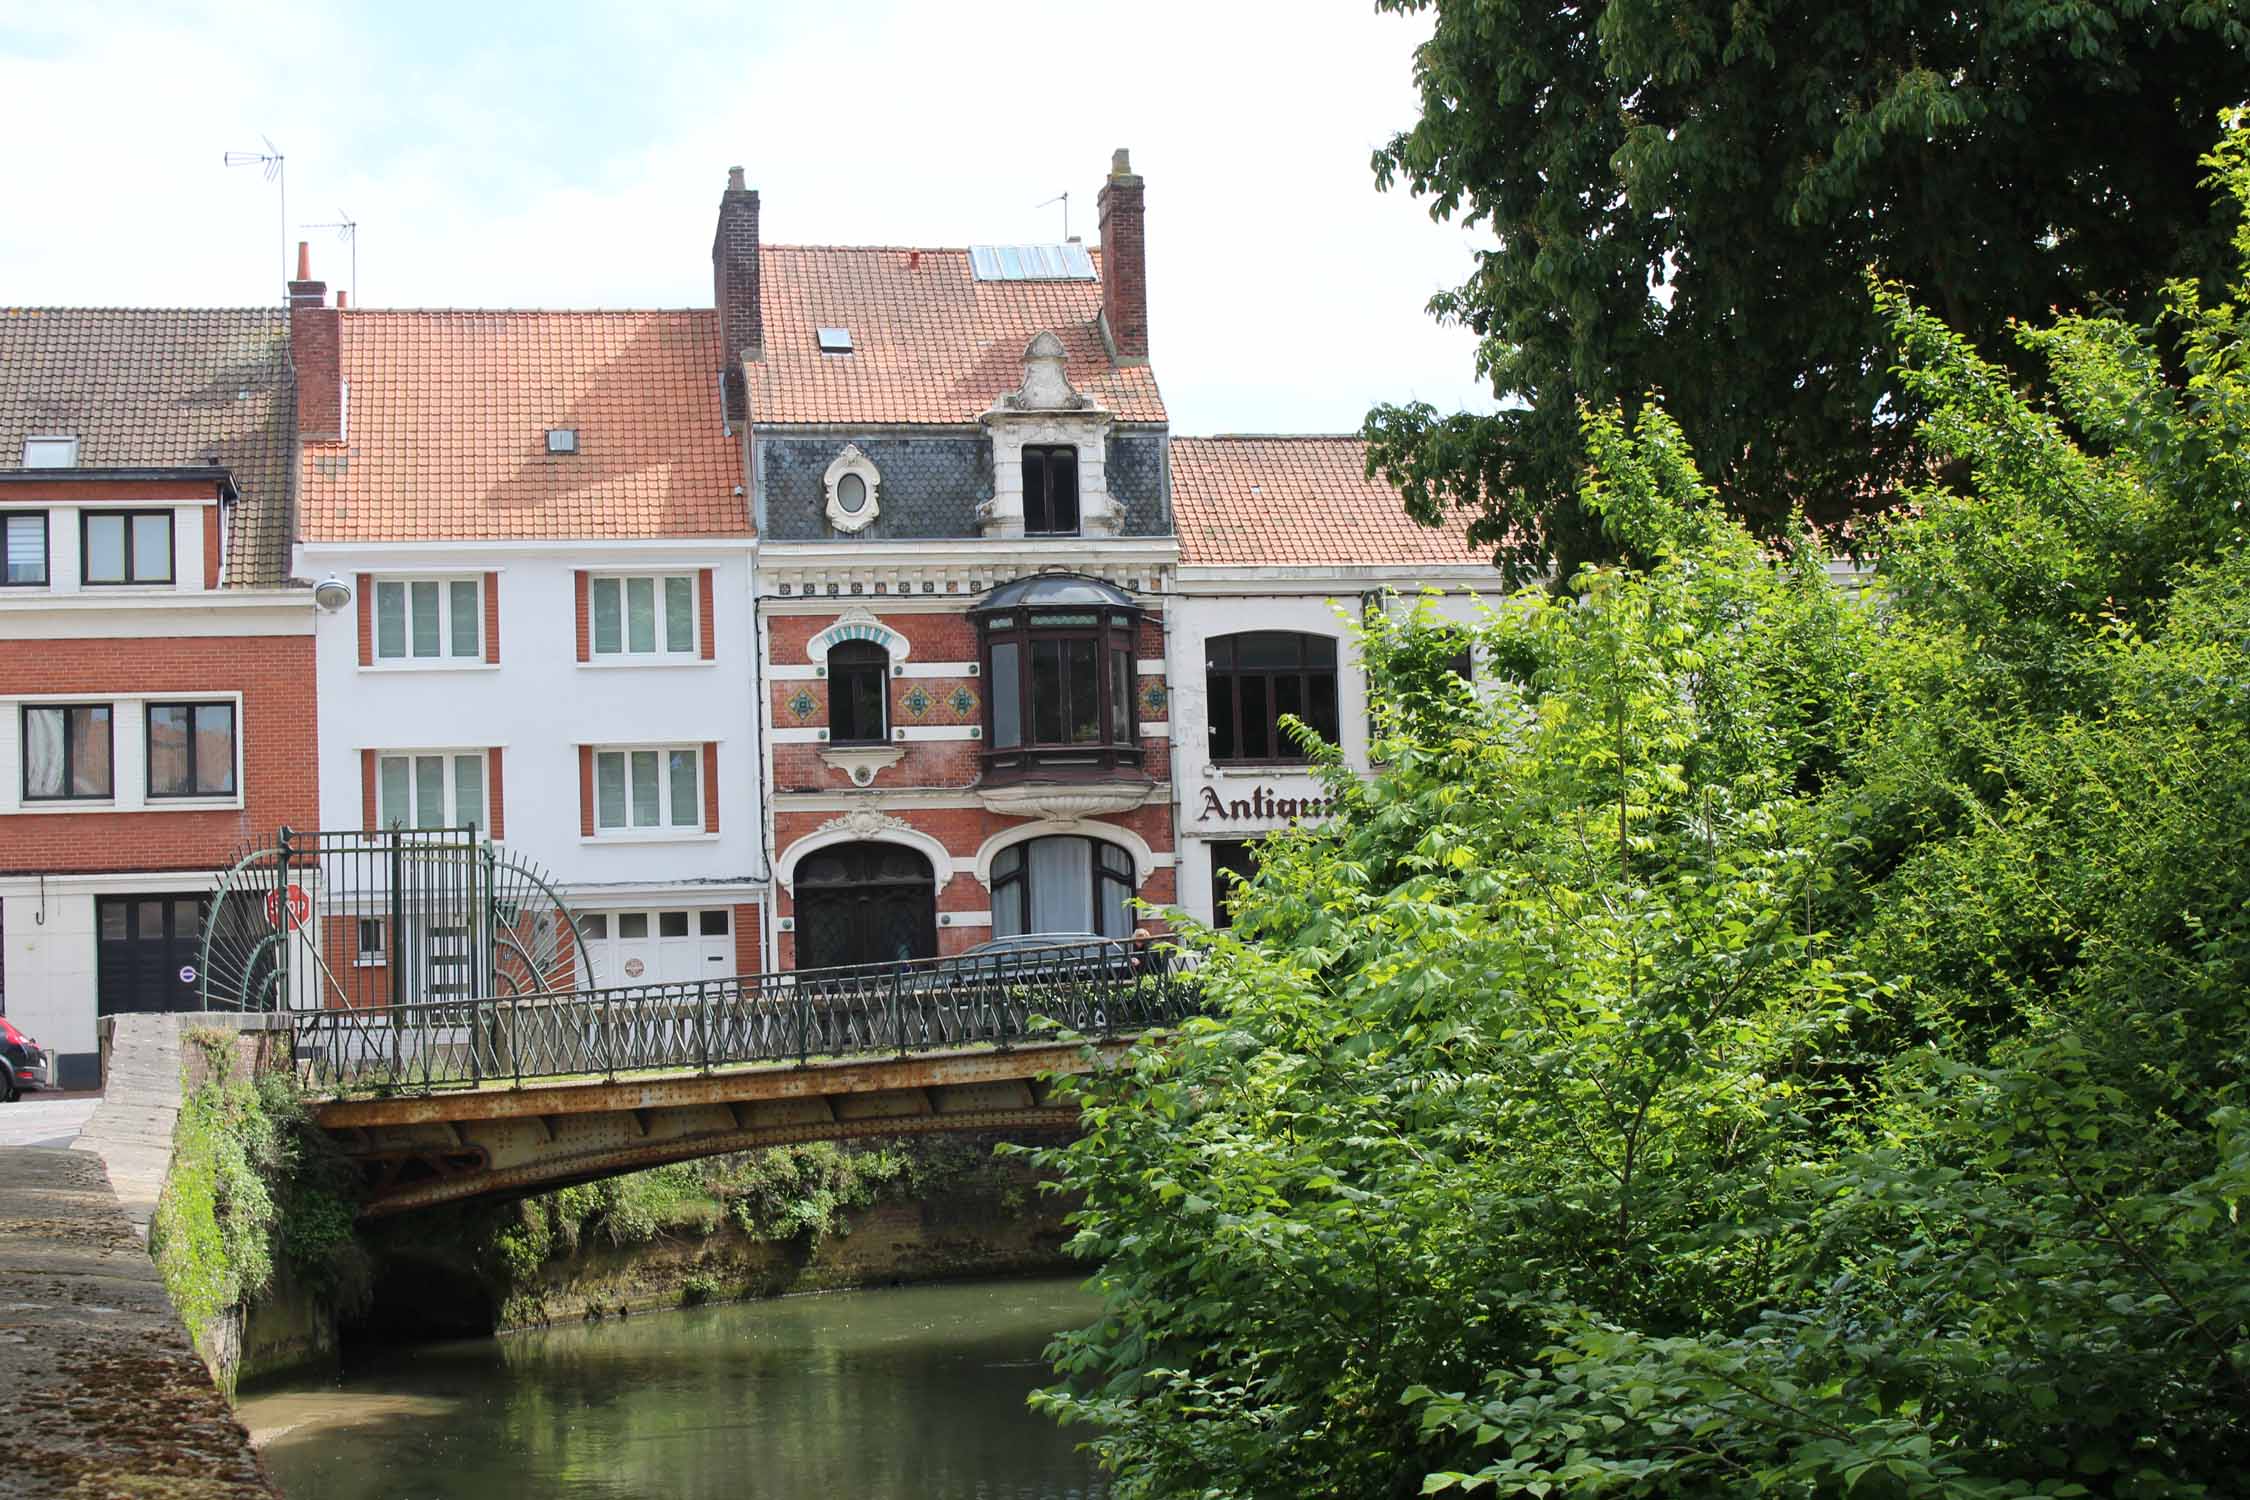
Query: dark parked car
[{"x": 24, "y": 1064}]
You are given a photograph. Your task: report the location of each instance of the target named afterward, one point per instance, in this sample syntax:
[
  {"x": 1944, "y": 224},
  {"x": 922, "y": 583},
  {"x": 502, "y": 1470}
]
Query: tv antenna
[
  {"x": 270, "y": 160},
  {"x": 347, "y": 229},
  {"x": 1064, "y": 200}
]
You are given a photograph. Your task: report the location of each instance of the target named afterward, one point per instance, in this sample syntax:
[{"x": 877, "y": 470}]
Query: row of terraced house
[{"x": 871, "y": 612}]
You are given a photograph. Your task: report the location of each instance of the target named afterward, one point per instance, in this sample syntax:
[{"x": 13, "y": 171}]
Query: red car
[{"x": 23, "y": 1064}]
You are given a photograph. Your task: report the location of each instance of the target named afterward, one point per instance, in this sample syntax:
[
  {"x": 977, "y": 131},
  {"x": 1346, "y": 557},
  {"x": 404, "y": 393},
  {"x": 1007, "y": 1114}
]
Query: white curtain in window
[
  {"x": 43, "y": 753},
  {"x": 1062, "y": 885}
]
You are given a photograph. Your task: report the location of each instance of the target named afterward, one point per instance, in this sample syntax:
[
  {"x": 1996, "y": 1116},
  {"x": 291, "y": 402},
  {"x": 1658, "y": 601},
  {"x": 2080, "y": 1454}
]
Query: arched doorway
[{"x": 865, "y": 904}]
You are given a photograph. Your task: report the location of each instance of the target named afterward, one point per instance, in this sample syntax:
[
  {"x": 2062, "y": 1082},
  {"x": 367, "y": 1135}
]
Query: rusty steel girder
[{"x": 521, "y": 1139}]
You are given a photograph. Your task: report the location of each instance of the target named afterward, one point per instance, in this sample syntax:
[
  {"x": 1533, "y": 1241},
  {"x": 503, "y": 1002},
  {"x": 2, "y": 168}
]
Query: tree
[
  {"x": 1688, "y": 195},
  {"x": 1775, "y": 1041}
]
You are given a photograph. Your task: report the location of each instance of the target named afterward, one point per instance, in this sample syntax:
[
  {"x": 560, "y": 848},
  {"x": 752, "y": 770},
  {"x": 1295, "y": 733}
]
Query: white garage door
[{"x": 659, "y": 946}]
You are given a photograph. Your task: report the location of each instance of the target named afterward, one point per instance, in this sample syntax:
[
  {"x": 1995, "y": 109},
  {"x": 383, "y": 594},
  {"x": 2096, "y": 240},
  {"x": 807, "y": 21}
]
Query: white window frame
[
  {"x": 376, "y": 957},
  {"x": 451, "y": 756},
  {"x": 61, "y": 450},
  {"x": 665, "y": 828},
  {"x": 664, "y": 651},
  {"x": 446, "y": 658}
]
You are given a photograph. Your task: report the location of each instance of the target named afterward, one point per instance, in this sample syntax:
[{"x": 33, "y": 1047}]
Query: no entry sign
[{"x": 299, "y": 906}]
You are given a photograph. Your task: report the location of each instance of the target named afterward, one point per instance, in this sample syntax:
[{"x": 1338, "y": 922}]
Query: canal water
[{"x": 916, "y": 1391}]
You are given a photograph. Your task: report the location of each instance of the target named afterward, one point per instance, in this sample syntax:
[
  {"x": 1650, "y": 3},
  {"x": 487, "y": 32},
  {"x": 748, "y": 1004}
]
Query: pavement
[
  {"x": 46, "y": 1119},
  {"x": 101, "y": 1393},
  {"x": 132, "y": 1128}
]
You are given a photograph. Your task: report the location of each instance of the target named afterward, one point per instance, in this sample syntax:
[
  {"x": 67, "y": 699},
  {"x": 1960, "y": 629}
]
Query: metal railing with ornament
[{"x": 1093, "y": 988}]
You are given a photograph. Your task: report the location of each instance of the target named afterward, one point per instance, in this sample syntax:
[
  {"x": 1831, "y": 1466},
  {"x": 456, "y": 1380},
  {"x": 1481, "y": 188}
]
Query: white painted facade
[
  {"x": 539, "y": 704},
  {"x": 1227, "y": 802}
]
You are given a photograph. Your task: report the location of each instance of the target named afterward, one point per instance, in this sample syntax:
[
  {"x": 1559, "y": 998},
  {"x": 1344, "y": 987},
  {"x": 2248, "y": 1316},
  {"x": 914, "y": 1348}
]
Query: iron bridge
[{"x": 444, "y": 1100}]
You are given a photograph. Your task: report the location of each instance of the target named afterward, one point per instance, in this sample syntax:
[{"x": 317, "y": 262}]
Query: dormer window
[
  {"x": 127, "y": 546},
  {"x": 834, "y": 340},
  {"x": 59, "y": 452},
  {"x": 1050, "y": 490}
]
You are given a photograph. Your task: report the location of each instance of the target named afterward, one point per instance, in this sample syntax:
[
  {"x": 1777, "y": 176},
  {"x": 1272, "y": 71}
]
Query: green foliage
[
  {"x": 1686, "y": 197},
  {"x": 1776, "y": 1041},
  {"x": 254, "y": 1184}
]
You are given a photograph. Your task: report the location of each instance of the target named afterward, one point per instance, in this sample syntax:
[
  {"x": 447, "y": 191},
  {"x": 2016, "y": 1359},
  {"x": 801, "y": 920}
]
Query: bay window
[
  {"x": 651, "y": 790},
  {"x": 66, "y": 752},
  {"x": 1059, "y": 667},
  {"x": 429, "y": 619}
]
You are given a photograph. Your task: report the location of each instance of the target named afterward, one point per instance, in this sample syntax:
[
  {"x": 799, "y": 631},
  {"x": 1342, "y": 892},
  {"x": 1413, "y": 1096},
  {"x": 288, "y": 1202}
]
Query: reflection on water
[{"x": 862, "y": 1396}]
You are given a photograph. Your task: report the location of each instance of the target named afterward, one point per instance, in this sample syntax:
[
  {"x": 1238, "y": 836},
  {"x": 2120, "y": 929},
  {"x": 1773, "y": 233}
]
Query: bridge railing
[{"x": 1094, "y": 988}]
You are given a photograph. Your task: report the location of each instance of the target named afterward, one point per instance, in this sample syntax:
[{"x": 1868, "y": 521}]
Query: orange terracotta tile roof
[
  {"x": 1297, "y": 501},
  {"x": 930, "y": 343},
  {"x": 448, "y": 430}
]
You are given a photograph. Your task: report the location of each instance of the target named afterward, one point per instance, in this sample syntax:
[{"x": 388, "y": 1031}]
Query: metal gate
[{"x": 361, "y": 920}]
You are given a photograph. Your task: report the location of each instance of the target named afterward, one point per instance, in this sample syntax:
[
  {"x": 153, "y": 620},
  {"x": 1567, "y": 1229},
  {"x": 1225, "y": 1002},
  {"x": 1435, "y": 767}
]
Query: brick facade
[{"x": 274, "y": 675}]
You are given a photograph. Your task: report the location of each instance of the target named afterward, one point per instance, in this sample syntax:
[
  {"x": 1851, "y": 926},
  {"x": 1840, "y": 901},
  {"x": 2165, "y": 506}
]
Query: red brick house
[
  {"x": 156, "y": 665},
  {"x": 958, "y": 463}
]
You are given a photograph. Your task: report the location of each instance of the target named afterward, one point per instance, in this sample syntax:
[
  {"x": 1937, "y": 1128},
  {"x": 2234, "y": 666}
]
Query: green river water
[{"x": 916, "y": 1391}]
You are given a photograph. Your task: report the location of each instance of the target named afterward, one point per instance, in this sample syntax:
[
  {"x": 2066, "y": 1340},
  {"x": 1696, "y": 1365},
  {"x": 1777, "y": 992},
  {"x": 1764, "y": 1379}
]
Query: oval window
[{"x": 851, "y": 494}]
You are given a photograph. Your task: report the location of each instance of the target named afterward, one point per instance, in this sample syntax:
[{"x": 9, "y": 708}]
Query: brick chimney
[
  {"x": 1124, "y": 263},
  {"x": 316, "y": 350},
  {"x": 734, "y": 290}
]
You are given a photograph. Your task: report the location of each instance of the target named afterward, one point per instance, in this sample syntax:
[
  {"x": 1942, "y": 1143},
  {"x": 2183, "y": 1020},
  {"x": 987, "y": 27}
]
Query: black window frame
[
  {"x": 1114, "y": 630},
  {"x": 1041, "y": 460},
  {"x": 69, "y": 773},
  {"x": 148, "y": 749},
  {"x": 86, "y": 519},
  {"x": 46, "y": 578},
  {"x": 862, "y": 659},
  {"x": 1014, "y": 884},
  {"x": 1223, "y": 684}
]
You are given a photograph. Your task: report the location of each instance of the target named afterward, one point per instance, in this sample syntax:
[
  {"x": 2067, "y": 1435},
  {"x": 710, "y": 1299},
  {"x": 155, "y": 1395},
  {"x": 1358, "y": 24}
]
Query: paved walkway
[
  {"x": 101, "y": 1393},
  {"x": 132, "y": 1130},
  {"x": 38, "y": 1120}
]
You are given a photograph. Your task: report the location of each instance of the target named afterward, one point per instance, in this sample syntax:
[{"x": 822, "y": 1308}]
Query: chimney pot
[
  {"x": 304, "y": 261},
  {"x": 340, "y": 300},
  {"x": 734, "y": 180},
  {"x": 1121, "y": 162}
]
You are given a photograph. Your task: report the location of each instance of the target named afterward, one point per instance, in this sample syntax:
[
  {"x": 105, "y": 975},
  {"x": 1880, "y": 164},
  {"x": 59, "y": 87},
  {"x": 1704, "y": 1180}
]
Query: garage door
[
  {"x": 659, "y": 946},
  {"x": 146, "y": 952}
]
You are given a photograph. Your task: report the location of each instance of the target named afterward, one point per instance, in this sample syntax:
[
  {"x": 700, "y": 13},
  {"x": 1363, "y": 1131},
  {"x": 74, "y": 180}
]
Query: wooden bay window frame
[{"x": 1059, "y": 688}]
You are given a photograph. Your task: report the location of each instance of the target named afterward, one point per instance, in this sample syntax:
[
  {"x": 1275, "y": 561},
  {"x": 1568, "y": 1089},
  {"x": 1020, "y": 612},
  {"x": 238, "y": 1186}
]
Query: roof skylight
[
  {"x": 1065, "y": 262},
  {"x": 834, "y": 340}
]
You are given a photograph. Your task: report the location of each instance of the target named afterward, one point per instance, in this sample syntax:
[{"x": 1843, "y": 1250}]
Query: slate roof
[
  {"x": 1298, "y": 501},
  {"x": 163, "y": 387},
  {"x": 930, "y": 343},
  {"x": 449, "y": 412}
]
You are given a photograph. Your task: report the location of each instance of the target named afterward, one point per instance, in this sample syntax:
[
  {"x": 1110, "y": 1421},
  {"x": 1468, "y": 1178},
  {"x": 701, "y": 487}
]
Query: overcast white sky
[{"x": 572, "y": 155}]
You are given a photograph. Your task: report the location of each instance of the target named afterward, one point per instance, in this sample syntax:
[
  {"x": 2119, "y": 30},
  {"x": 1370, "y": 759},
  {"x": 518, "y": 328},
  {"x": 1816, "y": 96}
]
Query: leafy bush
[
  {"x": 1778, "y": 1041},
  {"x": 253, "y": 1184}
]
